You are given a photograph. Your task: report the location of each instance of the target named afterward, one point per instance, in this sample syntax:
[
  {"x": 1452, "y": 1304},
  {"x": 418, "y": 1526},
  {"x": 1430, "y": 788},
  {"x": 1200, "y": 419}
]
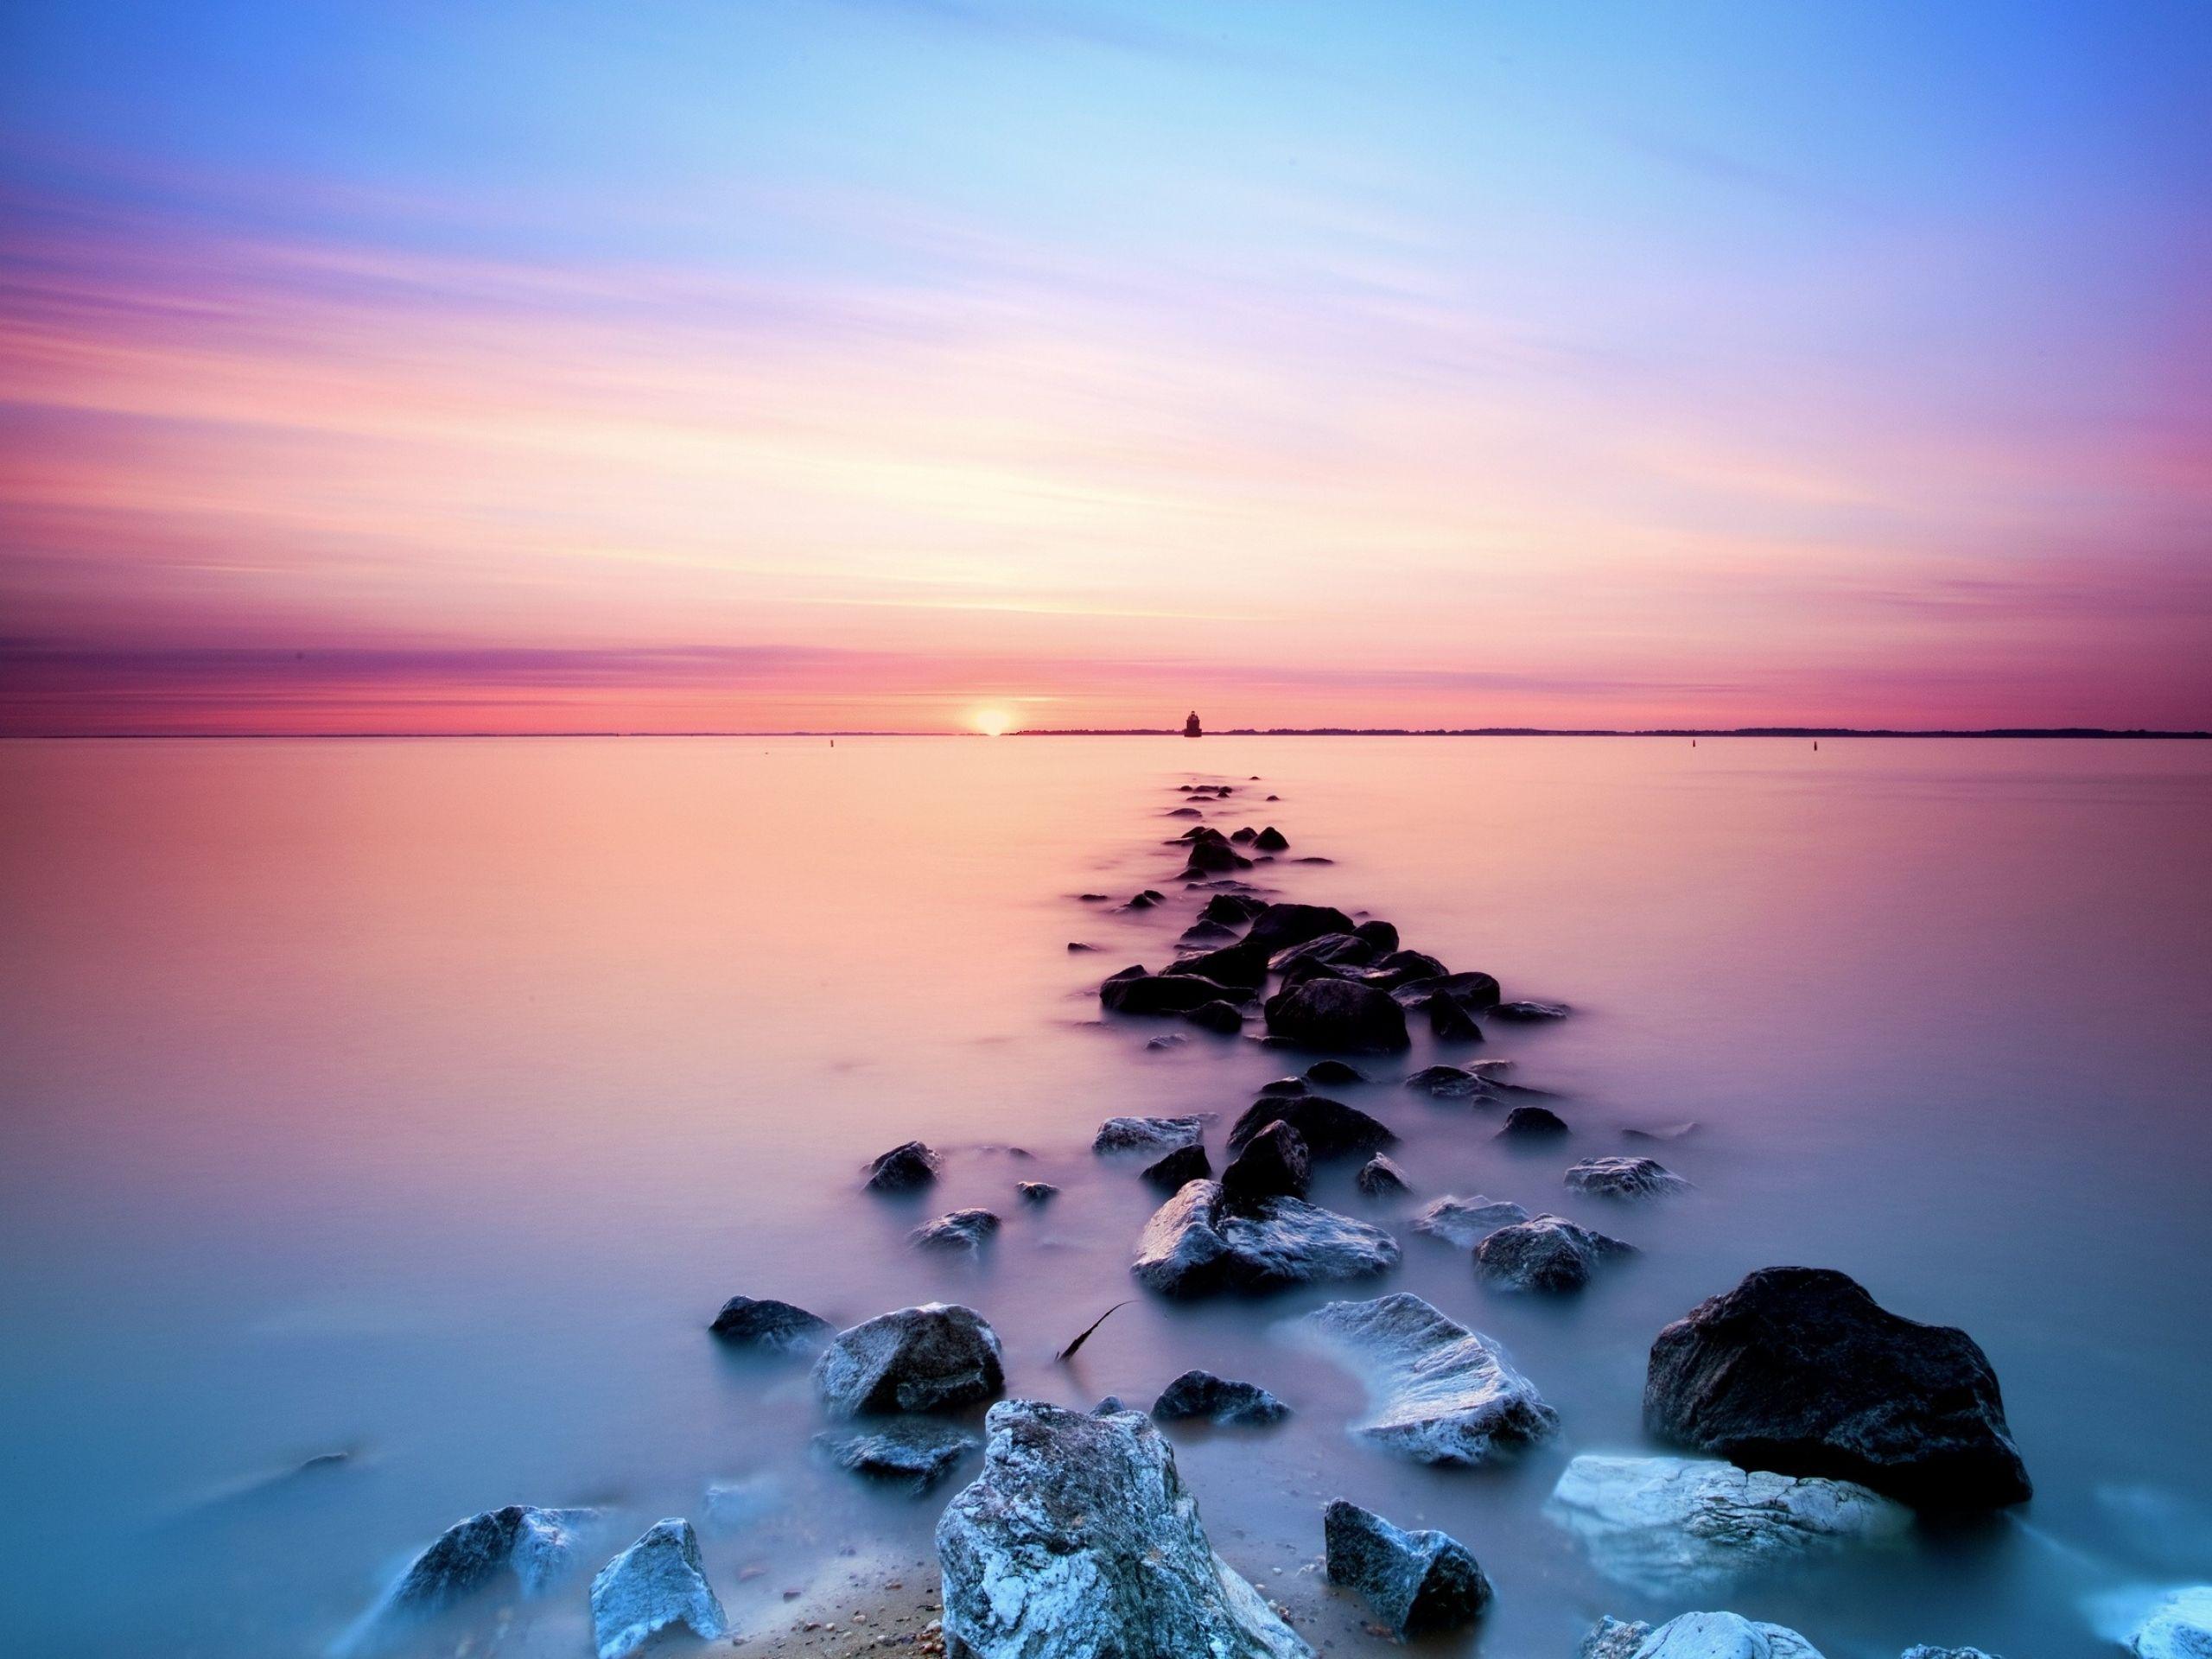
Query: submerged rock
[
  {"x": 1547, "y": 1253},
  {"x": 1217, "y": 1400},
  {"x": 1466, "y": 1222},
  {"x": 1272, "y": 840},
  {"x": 1196, "y": 1245},
  {"x": 1798, "y": 1369},
  {"x": 1624, "y": 1178},
  {"x": 1402, "y": 967},
  {"x": 1079, "y": 1540},
  {"x": 659, "y": 1581},
  {"x": 1205, "y": 933},
  {"x": 1225, "y": 1019},
  {"x": 733, "y": 1505},
  {"x": 537, "y": 1547},
  {"x": 1329, "y": 1127},
  {"x": 1273, "y": 1165},
  {"x": 956, "y": 1229},
  {"x": 1336, "y": 1013},
  {"x": 1526, "y": 1011},
  {"x": 1154, "y": 1134},
  {"x": 1239, "y": 967},
  {"x": 777, "y": 1327},
  {"x": 934, "y": 1358},
  {"x": 1379, "y": 1178},
  {"x": 1416, "y": 1581},
  {"x": 1183, "y": 1164},
  {"x": 1668, "y": 1525},
  {"x": 1038, "y": 1192},
  {"x": 917, "y": 1452},
  {"x": 1450, "y": 1022},
  {"x": 1451, "y": 1083},
  {"x": 1533, "y": 1123},
  {"x": 2180, "y": 1627},
  {"x": 1233, "y": 908},
  {"x": 1697, "y": 1635},
  {"x": 1436, "y": 1392},
  {"x": 903, "y": 1168}
]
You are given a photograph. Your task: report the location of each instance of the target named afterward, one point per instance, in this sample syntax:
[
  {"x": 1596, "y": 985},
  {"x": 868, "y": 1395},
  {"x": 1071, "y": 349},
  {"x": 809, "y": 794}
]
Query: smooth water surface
[{"x": 422, "y": 1100}]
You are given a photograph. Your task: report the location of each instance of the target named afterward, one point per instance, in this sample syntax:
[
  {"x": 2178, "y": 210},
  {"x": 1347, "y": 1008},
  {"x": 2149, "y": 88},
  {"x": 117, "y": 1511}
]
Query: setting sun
[{"x": 992, "y": 722}]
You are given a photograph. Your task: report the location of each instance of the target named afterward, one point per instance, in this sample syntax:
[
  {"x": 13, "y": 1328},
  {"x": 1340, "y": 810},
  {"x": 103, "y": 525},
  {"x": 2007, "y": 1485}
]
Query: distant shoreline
[{"x": 1996, "y": 732}]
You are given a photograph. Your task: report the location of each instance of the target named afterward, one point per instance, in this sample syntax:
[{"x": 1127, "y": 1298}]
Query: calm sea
[{"x": 422, "y": 1100}]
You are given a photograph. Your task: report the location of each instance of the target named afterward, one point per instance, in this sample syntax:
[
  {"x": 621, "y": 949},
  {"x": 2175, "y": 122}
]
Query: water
[{"x": 423, "y": 1100}]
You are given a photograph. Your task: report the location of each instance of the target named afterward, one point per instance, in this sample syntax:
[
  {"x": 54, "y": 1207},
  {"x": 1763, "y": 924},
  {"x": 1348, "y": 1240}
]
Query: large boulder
[
  {"x": 1151, "y": 1135},
  {"x": 1698, "y": 1636},
  {"x": 1543, "y": 1253},
  {"x": 903, "y": 1168},
  {"x": 1197, "y": 1244},
  {"x": 1466, "y": 1222},
  {"x": 1417, "y": 1582},
  {"x": 1329, "y": 1127},
  {"x": 1436, "y": 1392},
  {"x": 1338, "y": 1014},
  {"x": 1281, "y": 925},
  {"x": 1396, "y": 967},
  {"x": 934, "y": 1357},
  {"x": 1336, "y": 949},
  {"x": 1274, "y": 1165},
  {"x": 1217, "y": 1400},
  {"x": 914, "y": 1452},
  {"x": 656, "y": 1583},
  {"x": 1181, "y": 990},
  {"x": 2180, "y": 1627},
  {"x": 1222, "y": 1019},
  {"x": 534, "y": 1548},
  {"x": 1078, "y": 1540},
  {"x": 1242, "y": 966},
  {"x": 1473, "y": 990},
  {"x": 1669, "y": 1525},
  {"x": 1798, "y": 1369},
  {"x": 1624, "y": 1178},
  {"x": 770, "y": 1327}
]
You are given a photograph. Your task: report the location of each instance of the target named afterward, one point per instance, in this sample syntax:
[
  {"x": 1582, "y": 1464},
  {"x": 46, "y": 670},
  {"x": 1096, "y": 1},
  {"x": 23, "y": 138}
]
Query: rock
[
  {"x": 1925, "y": 1652},
  {"x": 734, "y": 1505},
  {"x": 1175, "y": 992},
  {"x": 1242, "y": 835},
  {"x": 1183, "y": 1164},
  {"x": 1077, "y": 946},
  {"x": 1212, "y": 857},
  {"x": 1525, "y": 1012},
  {"x": 1448, "y": 1022},
  {"x": 1474, "y": 991},
  {"x": 918, "y": 1453},
  {"x": 1543, "y": 1253},
  {"x": 1329, "y": 1127},
  {"x": 657, "y": 1582},
  {"x": 1273, "y": 1165},
  {"x": 1451, "y": 1083},
  {"x": 1334, "y": 1013},
  {"x": 1661, "y": 1132},
  {"x": 1217, "y": 1400},
  {"x": 1613, "y": 1638},
  {"x": 1233, "y": 909},
  {"x": 1271, "y": 840},
  {"x": 1532, "y": 1122},
  {"x": 1711, "y": 1636},
  {"x": 1078, "y": 1540},
  {"x": 2180, "y": 1627},
  {"x": 1205, "y": 932},
  {"x": 1624, "y": 1178},
  {"x": 1334, "y": 1071},
  {"x": 1038, "y": 1192},
  {"x": 1436, "y": 1392},
  {"x": 955, "y": 1229},
  {"x": 1224, "y": 1018},
  {"x": 1285, "y": 1088},
  {"x": 1184, "y": 812},
  {"x": 1798, "y": 1369},
  {"x": 1669, "y": 1525},
  {"x": 1152, "y": 1135},
  {"x": 778, "y": 1327},
  {"x": 934, "y": 1357},
  {"x": 1196, "y": 1245},
  {"x": 1379, "y": 1178},
  {"x": 1093, "y": 897},
  {"x": 537, "y": 1547},
  {"x": 1140, "y": 901},
  {"x": 1336, "y": 949},
  {"x": 1394, "y": 967},
  {"x": 1380, "y": 935},
  {"x": 1173, "y": 1040},
  {"x": 1416, "y": 1581},
  {"x": 1240, "y": 966},
  {"x": 1466, "y": 1222},
  {"x": 1281, "y": 925},
  {"x": 903, "y": 1168}
]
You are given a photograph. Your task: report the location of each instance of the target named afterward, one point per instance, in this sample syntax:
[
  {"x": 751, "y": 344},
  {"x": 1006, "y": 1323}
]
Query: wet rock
[
  {"x": 2180, "y": 1627},
  {"x": 1544, "y": 1253},
  {"x": 1232, "y": 909},
  {"x": 1076, "y": 947},
  {"x": 1436, "y": 1392},
  {"x": 1336, "y": 949},
  {"x": 1173, "y": 1040},
  {"x": 1152, "y": 1135},
  {"x": 1242, "y": 835},
  {"x": 1279, "y": 927},
  {"x": 915, "y": 1454},
  {"x": 1093, "y": 897},
  {"x": 1526, "y": 1011},
  {"x": 771, "y": 1326},
  {"x": 1798, "y": 1369},
  {"x": 538, "y": 1547},
  {"x": 1274, "y": 1165},
  {"x": 1177, "y": 991},
  {"x": 1613, "y": 1638},
  {"x": 1183, "y": 1164},
  {"x": 1533, "y": 1123},
  {"x": 1417, "y": 1582},
  {"x": 1196, "y": 1245},
  {"x": 1669, "y": 1525},
  {"x": 1379, "y": 934},
  {"x": 1284, "y": 1087},
  {"x": 1205, "y": 933},
  {"x": 1624, "y": 1178},
  {"x": 1185, "y": 812},
  {"x": 1394, "y": 967},
  {"x": 1079, "y": 1540},
  {"x": 955, "y": 1229},
  {"x": 1212, "y": 857},
  {"x": 903, "y": 1168},
  {"x": 1466, "y": 1222},
  {"x": 1451, "y": 1083},
  {"x": 1329, "y": 1127},
  {"x": 1704, "y": 1636},
  {"x": 1240, "y": 966},
  {"x": 1334, "y": 1071},
  {"x": 1379, "y": 1178},
  {"x": 1038, "y": 1192},
  {"x": 656, "y": 1584},
  {"x": 1450, "y": 1022},
  {"x": 1661, "y": 1132},
  {"x": 1474, "y": 991},
  {"x": 1141, "y": 901},
  {"x": 934, "y": 1357},
  {"x": 1925, "y": 1652},
  {"x": 1334, "y": 1013},
  {"x": 1225, "y": 1019},
  {"x": 1217, "y": 1400}
]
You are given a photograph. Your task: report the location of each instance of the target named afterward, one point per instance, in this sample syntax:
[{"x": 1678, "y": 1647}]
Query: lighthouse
[{"x": 1191, "y": 727}]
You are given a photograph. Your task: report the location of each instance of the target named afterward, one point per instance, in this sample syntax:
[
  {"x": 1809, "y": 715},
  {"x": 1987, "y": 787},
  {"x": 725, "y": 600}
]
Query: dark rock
[
  {"x": 956, "y": 1229},
  {"x": 1233, "y": 909},
  {"x": 1271, "y": 840},
  {"x": 1173, "y": 1040},
  {"x": 776, "y": 1326},
  {"x": 1224, "y": 1017},
  {"x": 1177, "y": 992},
  {"x": 1798, "y": 1369},
  {"x": 1466, "y": 1222},
  {"x": 1238, "y": 965},
  {"x": 1185, "y": 812},
  {"x": 1282, "y": 926},
  {"x": 1328, "y": 1127},
  {"x": 1334, "y": 1071},
  {"x": 1624, "y": 1178},
  {"x": 934, "y": 1357},
  {"x": 1379, "y": 1178},
  {"x": 1285, "y": 1088},
  {"x": 1338, "y": 949},
  {"x": 1079, "y": 1540},
  {"x": 1152, "y": 1135},
  {"x": 1396, "y": 967},
  {"x": 1205, "y": 932},
  {"x": 1451, "y": 1083},
  {"x": 1450, "y": 1022},
  {"x": 1380, "y": 935},
  {"x": 1140, "y": 901},
  {"x": 1196, "y": 1245},
  {"x": 1547, "y": 1253},
  {"x": 1475, "y": 992},
  {"x": 1076, "y": 945},
  {"x": 1314, "y": 860},
  {"x": 537, "y": 1547},
  {"x": 1333, "y": 1014},
  {"x": 658, "y": 1582},
  {"x": 1526, "y": 1012},
  {"x": 903, "y": 1168},
  {"x": 1436, "y": 1392},
  {"x": 1527, "y": 1122},
  {"x": 1242, "y": 835},
  {"x": 1660, "y": 1132},
  {"x": 1184, "y": 1164},
  {"x": 1201, "y": 1394},
  {"x": 1039, "y": 1192},
  {"x": 1274, "y": 798},
  {"x": 1299, "y": 969},
  {"x": 1211, "y": 857},
  {"x": 916, "y": 1452},
  {"x": 1093, "y": 897},
  {"x": 1273, "y": 1164},
  {"x": 1416, "y": 1581}
]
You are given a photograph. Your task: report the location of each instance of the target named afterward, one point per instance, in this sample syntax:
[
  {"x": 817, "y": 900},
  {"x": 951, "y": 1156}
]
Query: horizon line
[{"x": 1993, "y": 733}]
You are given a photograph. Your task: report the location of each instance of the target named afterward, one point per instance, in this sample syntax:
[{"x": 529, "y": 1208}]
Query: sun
[{"x": 992, "y": 722}]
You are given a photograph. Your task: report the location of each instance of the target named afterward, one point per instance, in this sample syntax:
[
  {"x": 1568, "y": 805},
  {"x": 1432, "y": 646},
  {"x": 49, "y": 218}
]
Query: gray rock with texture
[
  {"x": 1151, "y": 1135},
  {"x": 1669, "y": 1525},
  {"x": 917, "y": 1452},
  {"x": 1078, "y": 1540},
  {"x": 1381, "y": 1178},
  {"x": 1624, "y": 1178},
  {"x": 1544, "y": 1253},
  {"x": 1197, "y": 1244},
  {"x": 1417, "y": 1582},
  {"x": 657, "y": 1583},
  {"x": 2180, "y": 1627},
  {"x": 1217, "y": 1400},
  {"x": 1701, "y": 1636},
  {"x": 937, "y": 1357},
  {"x": 1924, "y": 1651},
  {"x": 1466, "y": 1222},
  {"x": 955, "y": 1229},
  {"x": 1436, "y": 1392},
  {"x": 770, "y": 1327},
  {"x": 903, "y": 1168},
  {"x": 536, "y": 1547}
]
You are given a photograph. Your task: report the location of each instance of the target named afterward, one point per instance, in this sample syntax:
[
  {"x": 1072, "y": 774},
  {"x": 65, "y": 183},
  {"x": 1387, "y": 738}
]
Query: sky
[{"x": 929, "y": 364}]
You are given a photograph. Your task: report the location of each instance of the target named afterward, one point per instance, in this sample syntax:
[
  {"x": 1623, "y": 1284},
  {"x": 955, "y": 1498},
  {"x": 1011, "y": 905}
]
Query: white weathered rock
[
  {"x": 1078, "y": 1540},
  {"x": 1722, "y": 1635},
  {"x": 1437, "y": 1391},
  {"x": 1466, "y": 1222},
  {"x": 1671, "y": 1525},
  {"x": 2180, "y": 1627},
  {"x": 657, "y": 1582},
  {"x": 1195, "y": 1245}
]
